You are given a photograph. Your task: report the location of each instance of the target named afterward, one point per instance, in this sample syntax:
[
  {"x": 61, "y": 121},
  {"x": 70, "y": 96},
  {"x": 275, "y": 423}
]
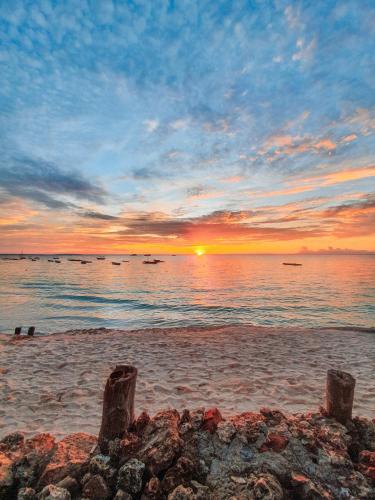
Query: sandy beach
[{"x": 55, "y": 383}]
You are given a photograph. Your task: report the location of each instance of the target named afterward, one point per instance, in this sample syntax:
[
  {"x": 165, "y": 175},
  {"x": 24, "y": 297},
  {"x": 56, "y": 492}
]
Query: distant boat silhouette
[
  {"x": 116, "y": 263},
  {"x": 100, "y": 258},
  {"x": 291, "y": 264}
]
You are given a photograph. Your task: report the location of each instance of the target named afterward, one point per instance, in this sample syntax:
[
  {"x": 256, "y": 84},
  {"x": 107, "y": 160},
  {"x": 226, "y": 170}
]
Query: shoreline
[{"x": 54, "y": 383}]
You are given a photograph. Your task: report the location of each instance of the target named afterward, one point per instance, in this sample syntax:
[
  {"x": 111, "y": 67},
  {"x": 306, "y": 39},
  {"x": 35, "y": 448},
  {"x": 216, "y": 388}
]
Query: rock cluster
[{"x": 198, "y": 455}]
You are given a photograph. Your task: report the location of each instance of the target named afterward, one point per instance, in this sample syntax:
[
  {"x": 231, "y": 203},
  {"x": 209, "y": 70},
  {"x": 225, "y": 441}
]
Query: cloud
[
  {"x": 334, "y": 251},
  {"x": 289, "y": 145},
  {"x": 36, "y": 179},
  {"x": 333, "y": 178},
  {"x": 180, "y": 124},
  {"x": 357, "y": 207},
  {"x": 202, "y": 193},
  {"x": 98, "y": 215},
  {"x": 362, "y": 118},
  {"x": 233, "y": 179},
  {"x": 151, "y": 125},
  {"x": 217, "y": 226},
  {"x": 305, "y": 50}
]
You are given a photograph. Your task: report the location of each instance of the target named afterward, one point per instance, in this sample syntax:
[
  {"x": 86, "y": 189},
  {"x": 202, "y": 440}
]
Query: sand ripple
[{"x": 55, "y": 383}]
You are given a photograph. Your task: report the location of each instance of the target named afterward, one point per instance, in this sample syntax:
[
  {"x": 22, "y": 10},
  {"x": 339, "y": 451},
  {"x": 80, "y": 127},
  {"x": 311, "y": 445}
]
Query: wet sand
[{"x": 55, "y": 383}]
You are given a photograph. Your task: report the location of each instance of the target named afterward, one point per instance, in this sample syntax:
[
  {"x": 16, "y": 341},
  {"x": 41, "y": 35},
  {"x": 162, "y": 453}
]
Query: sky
[{"x": 177, "y": 126}]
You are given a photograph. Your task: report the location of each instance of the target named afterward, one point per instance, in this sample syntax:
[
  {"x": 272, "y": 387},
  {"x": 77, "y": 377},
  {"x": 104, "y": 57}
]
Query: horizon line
[{"x": 359, "y": 252}]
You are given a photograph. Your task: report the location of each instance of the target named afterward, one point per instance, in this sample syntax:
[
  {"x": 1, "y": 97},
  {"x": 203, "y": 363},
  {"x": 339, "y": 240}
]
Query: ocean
[{"x": 327, "y": 290}]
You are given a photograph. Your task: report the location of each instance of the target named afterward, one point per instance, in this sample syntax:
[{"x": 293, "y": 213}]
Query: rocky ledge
[{"x": 198, "y": 455}]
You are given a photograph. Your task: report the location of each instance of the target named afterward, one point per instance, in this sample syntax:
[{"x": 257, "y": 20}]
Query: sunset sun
[{"x": 199, "y": 251}]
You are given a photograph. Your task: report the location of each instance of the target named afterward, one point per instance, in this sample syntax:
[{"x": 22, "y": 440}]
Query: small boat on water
[
  {"x": 146, "y": 255},
  {"x": 291, "y": 264},
  {"x": 116, "y": 263},
  {"x": 51, "y": 260},
  {"x": 125, "y": 261},
  {"x": 133, "y": 255},
  {"x": 75, "y": 260},
  {"x": 57, "y": 261},
  {"x": 86, "y": 261},
  {"x": 100, "y": 258},
  {"x": 155, "y": 261}
]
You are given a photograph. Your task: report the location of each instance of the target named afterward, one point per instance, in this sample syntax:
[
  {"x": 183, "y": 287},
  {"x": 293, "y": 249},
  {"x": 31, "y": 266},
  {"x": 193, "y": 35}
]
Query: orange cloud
[
  {"x": 349, "y": 138},
  {"x": 233, "y": 178},
  {"x": 288, "y": 145},
  {"x": 333, "y": 178}
]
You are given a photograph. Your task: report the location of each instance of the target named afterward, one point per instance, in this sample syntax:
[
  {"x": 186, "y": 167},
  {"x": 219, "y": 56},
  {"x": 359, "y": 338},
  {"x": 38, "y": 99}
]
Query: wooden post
[
  {"x": 17, "y": 330},
  {"x": 31, "y": 331},
  {"x": 340, "y": 395},
  {"x": 118, "y": 405}
]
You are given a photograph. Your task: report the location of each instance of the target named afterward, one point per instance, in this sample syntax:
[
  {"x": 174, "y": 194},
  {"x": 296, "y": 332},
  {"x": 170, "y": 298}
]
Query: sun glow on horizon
[{"x": 199, "y": 252}]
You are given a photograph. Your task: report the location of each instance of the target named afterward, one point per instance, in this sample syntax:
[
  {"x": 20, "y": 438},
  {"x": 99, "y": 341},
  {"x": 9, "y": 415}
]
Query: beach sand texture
[{"x": 55, "y": 383}]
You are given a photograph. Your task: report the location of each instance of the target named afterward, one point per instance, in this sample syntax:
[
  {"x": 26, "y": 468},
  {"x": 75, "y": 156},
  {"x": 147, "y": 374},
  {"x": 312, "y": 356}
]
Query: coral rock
[
  {"x": 71, "y": 453},
  {"x": 51, "y": 492},
  {"x": 211, "y": 419},
  {"x": 96, "y": 488},
  {"x": 152, "y": 490},
  {"x": 122, "y": 495},
  {"x": 274, "y": 442},
  {"x": 130, "y": 476},
  {"x": 265, "y": 487},
  {"x": 181, "y": 472},
  {"x": 141, "y": 422},
  {"x": 70, "y": 484},
  {"x": 26, "y": 494},
  {"x": 181, "y": 493},
  {"x": 161, "y": 442}
]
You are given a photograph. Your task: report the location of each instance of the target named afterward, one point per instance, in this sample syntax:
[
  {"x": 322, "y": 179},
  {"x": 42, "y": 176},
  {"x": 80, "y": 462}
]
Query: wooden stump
[
  {"x": 31, "y": 331},
  {"x": 118, "y": 405},
  {"x": 340, "y": 395},
  {"x": 17, "y": 330}
]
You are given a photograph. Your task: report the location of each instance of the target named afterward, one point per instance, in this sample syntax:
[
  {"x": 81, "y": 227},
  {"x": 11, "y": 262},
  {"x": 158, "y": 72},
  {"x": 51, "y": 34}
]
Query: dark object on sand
[
  {"x": 17, "y": 330},
  {"x": 291, "y": 264},
  {"x": 51, "y": 260},
  {"x": 31, "y": 331},
  {"x": 340, "y": 395},
  {"x": 86, "y": 261},
  {"x": 118, "y": 405},
  {"x": 116, "y": 263},
  {"x": 100, "y": 258},
  {"x": 74, "y": 260}
]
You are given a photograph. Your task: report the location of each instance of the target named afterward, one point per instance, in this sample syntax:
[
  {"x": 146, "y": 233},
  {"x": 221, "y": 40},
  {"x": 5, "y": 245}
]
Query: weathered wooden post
[
  {"x": 340, "y": 395},
  {"x": 17, "y": 330},
  {"x": 31, "y": 331},
  {"x": 118, "y": 405}
]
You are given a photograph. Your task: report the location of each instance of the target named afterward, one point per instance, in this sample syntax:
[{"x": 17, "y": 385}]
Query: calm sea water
[{"x": 186, "y": 290}]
